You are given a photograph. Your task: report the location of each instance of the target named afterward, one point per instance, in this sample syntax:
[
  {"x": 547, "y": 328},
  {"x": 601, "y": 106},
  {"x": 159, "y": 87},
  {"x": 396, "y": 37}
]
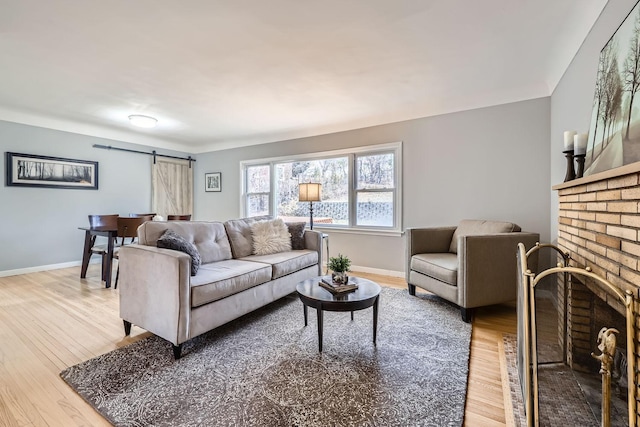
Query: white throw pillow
[{"x": 270, "y": 237}]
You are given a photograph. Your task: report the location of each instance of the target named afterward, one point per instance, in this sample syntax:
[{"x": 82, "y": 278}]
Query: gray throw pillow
[
  {"x": 172, "y": 240},
  {"x": 296, "y": 229}
]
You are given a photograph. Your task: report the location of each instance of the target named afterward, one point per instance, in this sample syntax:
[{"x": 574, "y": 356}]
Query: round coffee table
[{"x": 313, "y": 295}]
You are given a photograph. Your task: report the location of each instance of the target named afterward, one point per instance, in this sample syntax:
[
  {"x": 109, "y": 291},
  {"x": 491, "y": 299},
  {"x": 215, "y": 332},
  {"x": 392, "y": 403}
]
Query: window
[
  {"x": 258, "y": 190},
  {"x": 375, "y": 189},
  {"x": 360, "y": 187}
]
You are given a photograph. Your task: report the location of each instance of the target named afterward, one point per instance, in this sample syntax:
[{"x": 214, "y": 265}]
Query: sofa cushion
[
  {"x": 284, "y": 263},
  {"x": 441, "y": 266},
  {"x": 270, "y": 237},
  {"x": 209, "y": 237},
  {"x": 239, "y": 232},
  {"x": 172, "y": 240},
  {"x": 221, "y": 279},
  {"x": 296, "y": 229},
  {"x": 471, "y": 227}
]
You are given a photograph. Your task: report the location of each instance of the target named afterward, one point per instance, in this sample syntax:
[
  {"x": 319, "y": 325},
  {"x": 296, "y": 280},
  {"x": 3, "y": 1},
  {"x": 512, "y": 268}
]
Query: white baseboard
[
  {"x": 38, "y": 268},
  {"x": 379, "y": 271}
]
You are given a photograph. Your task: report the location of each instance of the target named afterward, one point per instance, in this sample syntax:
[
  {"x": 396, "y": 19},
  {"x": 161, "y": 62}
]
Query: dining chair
[
  {"x": 128, "y": 229},
  {"x": 106, "y": 221},
  {"x": 179, "y": 217},
  {"x": 143, "y": 214}
]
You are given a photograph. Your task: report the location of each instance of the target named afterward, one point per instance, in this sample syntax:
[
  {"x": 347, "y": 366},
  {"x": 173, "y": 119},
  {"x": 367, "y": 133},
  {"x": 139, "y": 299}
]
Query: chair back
[
  {"x": 144, "y": 214},
  {"x": 179, "y": 217},
  {"x": 107, "y": 221},
  {"x": 128, "y": 226}
]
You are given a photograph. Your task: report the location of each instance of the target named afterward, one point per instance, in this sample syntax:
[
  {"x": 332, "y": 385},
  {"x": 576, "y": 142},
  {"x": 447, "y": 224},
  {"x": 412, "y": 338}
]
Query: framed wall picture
[
  {"x": 614, "y": 135},
  {"x": 28, "y": 170},
  {"x": 213, "y": 181}
]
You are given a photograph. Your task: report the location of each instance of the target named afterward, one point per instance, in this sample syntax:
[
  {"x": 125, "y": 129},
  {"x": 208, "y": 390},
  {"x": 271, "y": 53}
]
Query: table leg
[
  {"x": 319, "y": 309},
  {"x": 375, "y": 318},
  {"x": 352, "y": 316},
  {"x": 108, "y": 262},
  {"x": 305, "y": 314},
  {"x": 86, "y": 254}
]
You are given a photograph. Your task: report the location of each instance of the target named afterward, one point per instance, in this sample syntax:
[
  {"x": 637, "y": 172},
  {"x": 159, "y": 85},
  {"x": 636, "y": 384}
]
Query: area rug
[{"x": 264, "y": 369}]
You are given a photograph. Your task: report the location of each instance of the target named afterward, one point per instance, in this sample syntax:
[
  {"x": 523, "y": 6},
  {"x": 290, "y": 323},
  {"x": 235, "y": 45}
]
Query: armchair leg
[
  {"x": 177, "y": 351},
  {"x": 127, "y": 328},
  {"x": 412, "y": 289},
  {"x": 467, "y": 314}
]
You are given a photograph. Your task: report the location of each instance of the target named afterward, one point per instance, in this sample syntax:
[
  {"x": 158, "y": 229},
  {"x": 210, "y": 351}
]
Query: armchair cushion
[
  {"x": 468, "y": 227},
  {"x": 441, "y": 266}
]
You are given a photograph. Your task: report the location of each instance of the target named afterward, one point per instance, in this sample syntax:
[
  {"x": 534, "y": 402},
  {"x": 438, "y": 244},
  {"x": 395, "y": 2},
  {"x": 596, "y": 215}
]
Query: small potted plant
[{"x": 339, "y": 266}]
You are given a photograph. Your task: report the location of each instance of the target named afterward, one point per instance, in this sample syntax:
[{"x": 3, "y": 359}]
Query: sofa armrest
[
  {"x": 155, "y": 290},
  {"x": 313, "y": 242},
  {"x": 487, "y": 267}
]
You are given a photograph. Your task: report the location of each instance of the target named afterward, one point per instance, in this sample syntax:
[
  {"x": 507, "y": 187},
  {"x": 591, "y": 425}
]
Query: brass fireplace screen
[{"x": 527, "y": 352}]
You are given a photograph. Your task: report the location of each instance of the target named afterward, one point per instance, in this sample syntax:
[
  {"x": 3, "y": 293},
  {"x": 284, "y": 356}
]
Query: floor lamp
[{"x": 309, "y": 192}]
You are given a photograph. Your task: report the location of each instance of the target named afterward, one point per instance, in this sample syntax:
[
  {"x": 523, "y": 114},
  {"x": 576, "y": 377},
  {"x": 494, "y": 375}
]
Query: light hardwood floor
[{"x": 52, "y": 320}]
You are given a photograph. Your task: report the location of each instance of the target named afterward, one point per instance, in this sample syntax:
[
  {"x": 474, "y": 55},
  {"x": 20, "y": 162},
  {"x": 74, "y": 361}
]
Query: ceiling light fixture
[{"x": 143, "y": 121}]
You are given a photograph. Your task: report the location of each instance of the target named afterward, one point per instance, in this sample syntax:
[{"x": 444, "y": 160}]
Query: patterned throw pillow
[
  {"x": 296, "y": 229},
  {"x": 270, "y": 237},
  {"x": 172, "y": 240}
]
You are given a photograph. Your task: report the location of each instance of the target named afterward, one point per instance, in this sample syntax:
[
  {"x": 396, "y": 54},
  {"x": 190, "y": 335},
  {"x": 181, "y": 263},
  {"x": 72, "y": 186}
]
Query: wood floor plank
[{"x": 52, "y": 320}]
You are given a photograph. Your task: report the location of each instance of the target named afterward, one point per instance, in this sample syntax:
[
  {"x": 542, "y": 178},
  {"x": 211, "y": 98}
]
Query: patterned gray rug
[{"x": 264, "y": 369}]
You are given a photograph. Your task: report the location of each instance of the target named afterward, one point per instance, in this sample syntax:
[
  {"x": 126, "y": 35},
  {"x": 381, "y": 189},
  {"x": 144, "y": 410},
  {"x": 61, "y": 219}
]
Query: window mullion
[
  {"x": 352, "y": 189},
  {"x": 272, "y": 189}
]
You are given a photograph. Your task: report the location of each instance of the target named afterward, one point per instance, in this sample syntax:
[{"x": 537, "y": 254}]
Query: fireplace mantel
[{"x": 602, "y": 176}]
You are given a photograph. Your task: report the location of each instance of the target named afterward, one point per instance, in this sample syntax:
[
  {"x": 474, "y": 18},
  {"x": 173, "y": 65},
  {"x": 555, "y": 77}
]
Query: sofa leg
[
  {"x": 177, "y": 351},
  {"x": 127, "y": 327},
  {"x": 412, "y": 289},
  {"x": 467, "y": 314}
]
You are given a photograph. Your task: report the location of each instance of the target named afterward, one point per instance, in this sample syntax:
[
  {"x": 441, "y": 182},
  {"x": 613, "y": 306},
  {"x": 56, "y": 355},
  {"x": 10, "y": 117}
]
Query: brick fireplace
[{"x": 599, "y": 225}]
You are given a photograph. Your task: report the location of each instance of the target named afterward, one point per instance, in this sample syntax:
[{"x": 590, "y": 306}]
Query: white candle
[
  {"x": 568, "y": 139},
  {"x": 580, "y": 144}
]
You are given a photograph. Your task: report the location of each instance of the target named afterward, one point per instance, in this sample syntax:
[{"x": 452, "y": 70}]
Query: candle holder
[
  {"x": 580, "y": 161},
  {"x": 571, "y": 173}
]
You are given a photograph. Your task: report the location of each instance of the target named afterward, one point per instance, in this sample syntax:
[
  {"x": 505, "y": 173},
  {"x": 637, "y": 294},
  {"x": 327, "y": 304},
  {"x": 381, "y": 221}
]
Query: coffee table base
[{"x": 320, "y": 308}]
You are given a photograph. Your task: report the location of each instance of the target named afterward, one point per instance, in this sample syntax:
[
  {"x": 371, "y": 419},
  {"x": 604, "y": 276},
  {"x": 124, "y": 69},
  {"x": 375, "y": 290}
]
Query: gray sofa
[
  {"x": 471, "y": 265},
  {"x": 158, "y": 293}
]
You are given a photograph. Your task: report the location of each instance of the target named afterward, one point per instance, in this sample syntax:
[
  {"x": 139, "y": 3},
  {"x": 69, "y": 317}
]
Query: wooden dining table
[{"x": 110, "y": 234}]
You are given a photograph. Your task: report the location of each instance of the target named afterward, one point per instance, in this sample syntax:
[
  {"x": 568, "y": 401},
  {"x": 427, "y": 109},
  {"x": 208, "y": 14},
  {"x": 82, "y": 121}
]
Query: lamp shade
[{"x": 309, "y": 192}]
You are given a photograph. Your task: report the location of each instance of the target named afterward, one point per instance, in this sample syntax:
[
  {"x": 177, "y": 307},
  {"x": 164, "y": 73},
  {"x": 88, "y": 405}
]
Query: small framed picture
[{"x": 213, "y": 181}]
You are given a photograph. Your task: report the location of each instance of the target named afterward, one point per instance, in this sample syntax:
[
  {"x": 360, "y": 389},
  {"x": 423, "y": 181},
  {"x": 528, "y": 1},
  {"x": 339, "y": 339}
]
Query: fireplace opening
[{"x": 588, "y": 313}]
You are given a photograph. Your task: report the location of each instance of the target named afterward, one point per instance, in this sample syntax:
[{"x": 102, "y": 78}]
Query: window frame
[
  {"x": 394, "y": 148},
  {"x": 246, "y": 192}
]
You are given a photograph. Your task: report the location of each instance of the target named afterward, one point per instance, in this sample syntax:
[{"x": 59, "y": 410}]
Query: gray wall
[
  {"x": 490, "y": 163},
  {"x": 39, "y": 226},
  {"x": 572, "y": 100}
]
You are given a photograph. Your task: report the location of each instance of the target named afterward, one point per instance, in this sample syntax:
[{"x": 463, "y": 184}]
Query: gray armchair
[{"x": 471, "y": 265}]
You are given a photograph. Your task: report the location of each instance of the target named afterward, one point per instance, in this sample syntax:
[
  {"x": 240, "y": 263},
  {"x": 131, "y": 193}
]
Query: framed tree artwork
[
  {"x": 614, "y": 133},
  {"x": 28, "y": 170},
  {"x": 213, "y": 181}
]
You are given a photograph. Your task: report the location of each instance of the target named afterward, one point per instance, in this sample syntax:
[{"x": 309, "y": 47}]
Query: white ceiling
[{"x": 225, "y": 73}]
